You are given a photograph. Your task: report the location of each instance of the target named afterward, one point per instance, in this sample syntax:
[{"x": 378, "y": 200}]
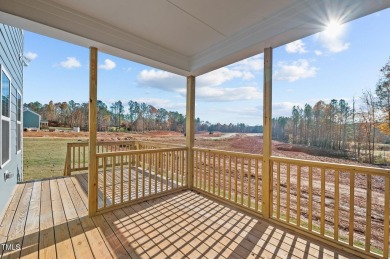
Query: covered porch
[{"x": 148, "y": 200}]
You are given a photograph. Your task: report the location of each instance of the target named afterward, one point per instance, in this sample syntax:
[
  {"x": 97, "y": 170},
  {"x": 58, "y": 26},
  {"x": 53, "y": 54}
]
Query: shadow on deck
[{"x": 48, "y": 219}]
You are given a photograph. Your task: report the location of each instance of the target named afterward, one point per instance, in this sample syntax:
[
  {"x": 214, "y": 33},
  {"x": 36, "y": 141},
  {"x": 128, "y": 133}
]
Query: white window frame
[
  {"x": 4, "y": 118},
  {"x": 19, "y": 122}
]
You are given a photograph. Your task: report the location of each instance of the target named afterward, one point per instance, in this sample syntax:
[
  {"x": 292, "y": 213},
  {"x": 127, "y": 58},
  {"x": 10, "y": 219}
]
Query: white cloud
[
  {"x": 207, "y": 86},
  {"x": 108, "y": 64},
  {"x": 70, "y": 62},
  {"x": 220, "y": 94},
  {"x": 296, "y": 47},
  {"x": 222, "y": 75},
  {"x": 295, "y": 70},
  {"x": 31, "y": 55},
  {"x": 162, "y": 80},
  {"x": 333, "y": 38},
  {"x": 162, "y": 103},
  {"x": 335, "y": 45},
  {"x": 318, "y": 52}
]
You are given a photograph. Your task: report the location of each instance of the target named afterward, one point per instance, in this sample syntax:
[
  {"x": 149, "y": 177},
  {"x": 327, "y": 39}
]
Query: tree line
[
  {"x": 137, "y": 116},
  {"x": 337, "y": 125}
]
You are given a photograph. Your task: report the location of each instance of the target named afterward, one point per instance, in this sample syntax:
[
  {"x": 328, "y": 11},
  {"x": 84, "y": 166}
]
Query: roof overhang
[{"x": 185, "y": 37}]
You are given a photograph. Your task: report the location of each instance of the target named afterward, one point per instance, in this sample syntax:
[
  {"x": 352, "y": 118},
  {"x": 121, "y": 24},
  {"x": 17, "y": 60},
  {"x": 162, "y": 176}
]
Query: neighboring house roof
[
  {"x": 28, "y": 110},
  {"x": 186, "y": 37}
]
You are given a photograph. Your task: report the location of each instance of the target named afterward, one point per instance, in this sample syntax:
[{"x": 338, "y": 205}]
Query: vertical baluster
[
  {"x": 230, "y": 177},
  {"x": 129, "y": 175},
  {"x": 196, "y": 154},
  {"x": 104, "y": 182},
  {"x": 298, "y": 196},
  {"x": 121, "y": 168},
  {"x": 74, "y": 157},
  {"x": 79, "y": 157},
  {"x": 386, "y": 224},
  {"x": 278, "y": 190},
  {"x": 336, "y": 204},
  {"x": 214, "y": 173},
  {"x": 310, "y": 198},
  {"x": 167, "y": 171},
  {"x": 83, "y": 156},
  {"x": 224, "y": 175},
  {"x": 235, "y": 179},
  {"x": 172, "y": 168},
  {"x": 150, "y": 172},
  {"x": 113, "y": 161},
  {"x": 161, "y": 163},
  {"x": 288, "y": 195},
  {"x": 351, "y": 207},
  {"x": 155, "y": 171},
  {"x": 209, "y": 170},
  {"x": 256, "y": 184},
  {"x": 322, "y": 229},
  {"x": 242, "y": 180},
  {"x": 136, "y": 175},
  {"x": 368, "y": 214},
  {"x": 219, "y": 175},
  {"x": 143, "y": 175},
  {"x": 182, "y": 167},
  {"x": 249, "y": 182},
  {"x": 202, "y": 162},
  {"x": 177, "y": 167},
  {"x": 271, "y": 184}
]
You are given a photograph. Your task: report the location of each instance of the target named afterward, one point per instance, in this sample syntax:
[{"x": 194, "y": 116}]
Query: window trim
[
  {"x": 19, "y": 122},
  {"x": 4, "y": 118}
]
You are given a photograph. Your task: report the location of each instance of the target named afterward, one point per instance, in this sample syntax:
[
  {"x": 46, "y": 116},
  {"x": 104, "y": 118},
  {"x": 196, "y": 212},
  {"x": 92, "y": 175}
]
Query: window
[
  {"x": 19, "y": 122},
  {"x": 5, "y": 118}
]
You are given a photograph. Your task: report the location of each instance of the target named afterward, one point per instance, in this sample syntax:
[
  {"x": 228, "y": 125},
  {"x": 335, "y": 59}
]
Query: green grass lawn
[{"x": 44, "y": 157}]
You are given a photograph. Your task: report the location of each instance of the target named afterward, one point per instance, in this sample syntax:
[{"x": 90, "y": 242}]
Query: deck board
[{"x": 49, "y": 219}]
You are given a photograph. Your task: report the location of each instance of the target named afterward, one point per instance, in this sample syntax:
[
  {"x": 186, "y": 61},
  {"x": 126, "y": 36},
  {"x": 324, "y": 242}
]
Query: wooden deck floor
[{"x": 48, "y": 219}]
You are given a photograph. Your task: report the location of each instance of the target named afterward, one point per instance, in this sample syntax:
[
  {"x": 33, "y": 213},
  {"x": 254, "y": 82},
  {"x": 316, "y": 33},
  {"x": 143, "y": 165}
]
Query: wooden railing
[
  {"x": 77, "y": 153},
  {"x": 132, "y": 176},
  {"x": 232, "y": 176},
  {"x": 344, "y": 204}
]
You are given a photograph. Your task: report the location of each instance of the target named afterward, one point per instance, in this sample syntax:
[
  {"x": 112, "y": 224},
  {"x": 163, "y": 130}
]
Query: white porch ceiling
[{"x": 187, "y": 37}]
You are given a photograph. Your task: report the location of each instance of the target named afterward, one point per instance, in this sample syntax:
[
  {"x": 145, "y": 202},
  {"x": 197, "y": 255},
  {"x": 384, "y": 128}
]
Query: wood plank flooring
[{"x": 49, "y": 219}]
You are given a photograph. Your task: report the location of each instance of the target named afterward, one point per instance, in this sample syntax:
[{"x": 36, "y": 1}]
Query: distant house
[
  {"x": 44, "y": 124},
  {"x": 31, "y": 120},
  {"x": 11, "y": 91}
]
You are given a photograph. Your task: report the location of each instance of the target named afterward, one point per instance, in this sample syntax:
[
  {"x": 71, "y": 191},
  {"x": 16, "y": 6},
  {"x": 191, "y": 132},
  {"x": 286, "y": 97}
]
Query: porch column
[
  {"x": 267, "y": 135},
  {"x": 92, "y": 173},
  {"x": 190, "y": 129}
]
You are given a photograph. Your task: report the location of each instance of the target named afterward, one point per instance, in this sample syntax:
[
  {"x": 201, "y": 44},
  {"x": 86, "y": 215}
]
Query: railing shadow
[{"x": 185, "y": 224}]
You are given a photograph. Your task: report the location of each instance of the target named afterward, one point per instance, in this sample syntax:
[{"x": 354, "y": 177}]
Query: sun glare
[{"x": 333, "y": 29}]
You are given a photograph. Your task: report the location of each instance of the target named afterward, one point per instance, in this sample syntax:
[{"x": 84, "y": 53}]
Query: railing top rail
[
  {"x": 158, "y": 143},
  {"x": 223, "y": 152},
  {"x": 143, "y": 151},
  {"x": 85, "y": 142},
  {"x": 326, "y": 165}
]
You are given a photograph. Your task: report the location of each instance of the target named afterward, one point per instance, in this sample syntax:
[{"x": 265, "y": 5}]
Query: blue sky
[{"x": 338, "y": 63}]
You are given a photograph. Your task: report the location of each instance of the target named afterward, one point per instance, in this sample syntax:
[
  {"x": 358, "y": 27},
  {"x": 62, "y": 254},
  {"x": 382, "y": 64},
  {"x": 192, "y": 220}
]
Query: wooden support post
[
  {"x": 267, "y": 134},
  {"x": 92, "y": 174},
  {"x": 190, "y": 129},
  {"x": 68, "y": 160}
]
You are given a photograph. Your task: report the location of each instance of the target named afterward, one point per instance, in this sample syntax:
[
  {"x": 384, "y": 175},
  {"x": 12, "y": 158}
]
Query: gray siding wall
[{"x": 11, "y": 47}]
